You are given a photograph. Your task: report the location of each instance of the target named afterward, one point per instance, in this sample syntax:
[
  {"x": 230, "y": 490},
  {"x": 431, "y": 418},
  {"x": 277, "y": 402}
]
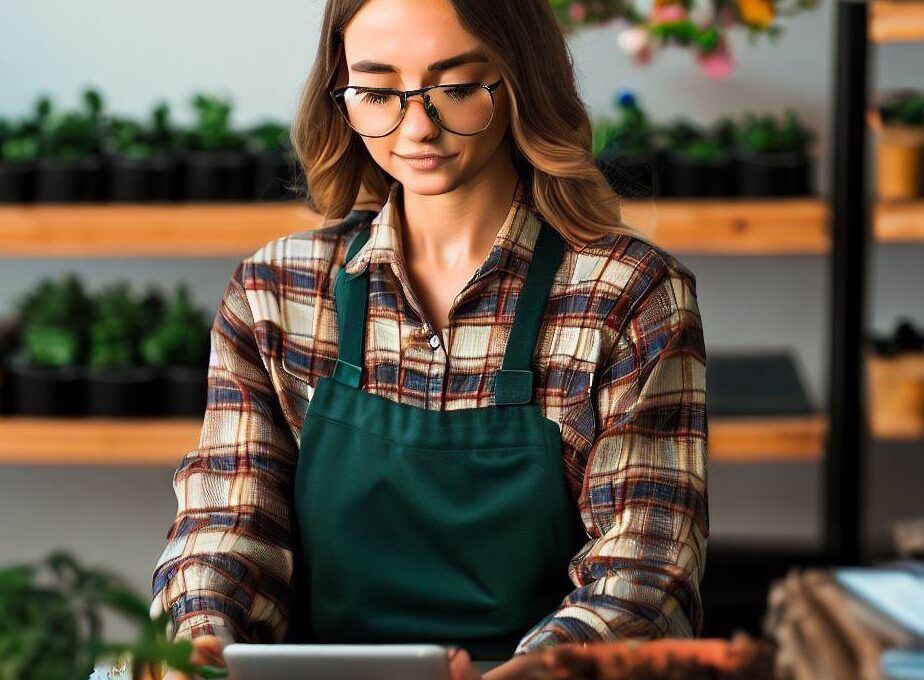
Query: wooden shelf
[
  {"x": 899, "y": 221},
  {"x": 767, "y": 439},
  {"x": 786, "y": 226},
  {"x": 132, "y": 230},
  {"x": 896, "y": 21},
  {"x": 734, "y": 227},
  {"x": 161, "y": 442}
]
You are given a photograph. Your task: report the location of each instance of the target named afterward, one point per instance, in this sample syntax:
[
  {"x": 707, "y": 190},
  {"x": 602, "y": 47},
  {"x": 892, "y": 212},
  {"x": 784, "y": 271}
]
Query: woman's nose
[{"x": 417, "y": 121}]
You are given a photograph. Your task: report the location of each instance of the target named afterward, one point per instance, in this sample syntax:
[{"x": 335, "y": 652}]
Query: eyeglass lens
[{"x": 463, "y": 109}]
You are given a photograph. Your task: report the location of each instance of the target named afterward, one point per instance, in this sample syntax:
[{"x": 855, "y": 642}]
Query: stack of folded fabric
[
  {"x": 667, "y": 659},
  {"x": 849, "y": 623}
]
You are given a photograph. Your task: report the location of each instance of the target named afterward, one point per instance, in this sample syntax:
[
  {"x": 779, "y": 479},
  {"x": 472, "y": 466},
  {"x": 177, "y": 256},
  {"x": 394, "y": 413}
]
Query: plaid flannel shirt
[{"x": 620, "y": 366}]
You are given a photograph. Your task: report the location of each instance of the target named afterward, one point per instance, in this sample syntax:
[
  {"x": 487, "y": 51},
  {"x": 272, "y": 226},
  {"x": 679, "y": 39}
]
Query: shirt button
[{"x": 434, "y": 341}]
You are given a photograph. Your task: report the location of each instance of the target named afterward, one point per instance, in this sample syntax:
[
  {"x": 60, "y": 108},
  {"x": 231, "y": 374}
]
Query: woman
[{"x": 470, "y": 412}]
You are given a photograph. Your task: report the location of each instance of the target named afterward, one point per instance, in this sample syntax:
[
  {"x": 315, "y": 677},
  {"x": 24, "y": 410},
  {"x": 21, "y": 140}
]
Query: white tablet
[{"x": 336, "y": 662}]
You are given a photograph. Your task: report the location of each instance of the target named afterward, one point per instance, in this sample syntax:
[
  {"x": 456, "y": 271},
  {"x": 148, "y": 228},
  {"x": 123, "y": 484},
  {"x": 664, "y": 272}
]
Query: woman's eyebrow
[{"x": 474, "y": 55}]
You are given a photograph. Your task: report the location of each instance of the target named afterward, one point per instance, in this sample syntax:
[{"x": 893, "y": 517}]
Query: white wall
[{"x": 139, "y": 52}]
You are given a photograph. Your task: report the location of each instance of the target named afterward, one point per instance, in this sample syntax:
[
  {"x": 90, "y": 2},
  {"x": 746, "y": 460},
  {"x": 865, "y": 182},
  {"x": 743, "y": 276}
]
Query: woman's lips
[{"x": 426, "y": 162}]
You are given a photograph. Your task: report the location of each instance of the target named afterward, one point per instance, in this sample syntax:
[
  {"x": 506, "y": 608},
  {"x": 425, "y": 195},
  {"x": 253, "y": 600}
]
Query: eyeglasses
[{"x": 460, "y": 108}]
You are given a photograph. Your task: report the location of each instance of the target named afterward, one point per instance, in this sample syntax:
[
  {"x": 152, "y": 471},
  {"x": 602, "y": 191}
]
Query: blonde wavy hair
[{"x": 549, "y": 125}]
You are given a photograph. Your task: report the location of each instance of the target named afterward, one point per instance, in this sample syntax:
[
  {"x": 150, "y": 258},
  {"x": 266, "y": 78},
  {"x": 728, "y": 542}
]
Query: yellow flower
[{"x": 757, "y": 13}]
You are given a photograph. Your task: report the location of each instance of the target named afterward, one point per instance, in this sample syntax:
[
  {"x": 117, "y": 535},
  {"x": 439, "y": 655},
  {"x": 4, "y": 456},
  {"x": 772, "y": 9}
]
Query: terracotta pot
[
  {"x": 896, "y": 395},
  {"x": 900, "y": 162}
]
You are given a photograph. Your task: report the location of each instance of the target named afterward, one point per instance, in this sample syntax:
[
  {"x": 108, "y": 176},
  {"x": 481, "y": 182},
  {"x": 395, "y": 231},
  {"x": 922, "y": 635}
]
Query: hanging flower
[
  {"x": 718, "y": 63},
  {"x": 577, "y": 12},
  {"x": 756, "y": 13},
  {"x": 634, "y": 41},
  {"x": 667, "y": 13}
]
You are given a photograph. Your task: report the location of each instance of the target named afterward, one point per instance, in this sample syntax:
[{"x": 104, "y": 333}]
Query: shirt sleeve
[
  {"x": 227, "y": 566},
  {"x": 644, "y": 497}
]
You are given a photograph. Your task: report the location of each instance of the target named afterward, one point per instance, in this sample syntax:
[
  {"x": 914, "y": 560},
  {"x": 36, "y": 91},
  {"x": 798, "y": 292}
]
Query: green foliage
[
  {"x": 72, "y": 134},
  {"x": 212, "y": 131},
  {"x": 51, "y": 623},
  {"x": 115, "y": 328},
  {"x": 905, "y": 107},
  {"x": 136, "y": 140},
  {"x": 630, "y": 133},
  {"x": 690, "y": 140},
  {"x": 182, "y": 336},
  {"x": 54, "y": 317},
  {"x": 269, "y": 137},
  {"x": 768, "y": 134}
]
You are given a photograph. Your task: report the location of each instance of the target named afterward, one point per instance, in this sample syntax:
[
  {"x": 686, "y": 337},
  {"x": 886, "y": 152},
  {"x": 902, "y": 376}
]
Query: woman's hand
[
  {"x": 460, "y": 665},
  {"x": 207, "y": 651},
  {"x": 530, "y": 666}
]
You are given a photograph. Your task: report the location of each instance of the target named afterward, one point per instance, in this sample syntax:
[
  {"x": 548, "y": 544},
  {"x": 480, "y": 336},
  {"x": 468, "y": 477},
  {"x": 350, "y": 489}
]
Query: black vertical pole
[{"x": 847, "y": 434}]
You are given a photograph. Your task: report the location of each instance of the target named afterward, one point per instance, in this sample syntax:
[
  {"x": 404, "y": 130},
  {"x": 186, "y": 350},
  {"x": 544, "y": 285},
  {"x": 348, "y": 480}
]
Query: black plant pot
[
  {"x": 16, "y": 181},
  {"x": 121, "y": 392},
  {"x": 773, "y": 174},
  {"x": 632, "y": 175},
  {"x": 185, "y": 390},
  {"x": 273, "y": 172},
  {"x": 133, "y": 180},
  {"x": 690, "y": 178},
  {"x": 42, "y": 391},
  {"x": 77, "y": 180},
  {"x": 216, "y": 176}
]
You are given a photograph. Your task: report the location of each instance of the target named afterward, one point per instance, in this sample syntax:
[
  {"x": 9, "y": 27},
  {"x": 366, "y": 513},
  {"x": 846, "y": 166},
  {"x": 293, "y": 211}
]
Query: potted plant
[
  {"x": 18, "y": 150},
  {"x": 52, "y": 615},
  {"x": 116, "y": 383},
  {"x": 899, "y": 121},
  {"x": 275, "y": 168},
  {"x": 142, "y": 159},
  {"x": 215, "y": 161},
  {"x": 70, "y": 164},
  {"x": 179, "y": 345},
  {"x": 44, "y": 373},
  {"x": 625, "y": 150},
  {"x": 695, "y": 162},
  {"x": 771, "y": 156}
]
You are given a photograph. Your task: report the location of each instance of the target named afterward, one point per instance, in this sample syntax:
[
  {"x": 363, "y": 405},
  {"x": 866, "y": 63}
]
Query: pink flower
[
  {"x": 667, "y": 13},
  {"x": 577, "y": 11},
  {"x": 634, "y": 40},
  {"x": 717, "y": 64}
]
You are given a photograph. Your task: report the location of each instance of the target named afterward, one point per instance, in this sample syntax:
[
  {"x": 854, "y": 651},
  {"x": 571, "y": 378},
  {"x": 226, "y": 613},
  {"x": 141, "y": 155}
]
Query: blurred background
[{"x": 761, "y": 255}]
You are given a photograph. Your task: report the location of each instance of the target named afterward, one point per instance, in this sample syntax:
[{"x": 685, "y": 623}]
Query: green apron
[{"x": 451, "y": 527}]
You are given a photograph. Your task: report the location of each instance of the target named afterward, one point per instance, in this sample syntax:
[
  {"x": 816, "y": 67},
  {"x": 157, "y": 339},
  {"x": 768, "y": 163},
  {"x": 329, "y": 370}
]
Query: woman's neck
[{"x": 453, "y": 230}]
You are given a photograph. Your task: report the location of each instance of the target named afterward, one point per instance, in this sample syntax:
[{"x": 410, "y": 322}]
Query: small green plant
[
  {"x": 136, "y": 140},
  {"x": 182, "y": 336},
  {"x": 905, "y": 107},
  {"x": 51, "y": 623},
  {"x": 767, "y": 134},
  {"x": 212, "y": 131},
  {"x": 269, "y": 137},
  {"x": 72, "y": 134},
  {"x": 631, "y": 133},
  {"x": 115, "y": 328},
  {"x": 54, "y": 317},
  {"x": 17, "y": 142}
]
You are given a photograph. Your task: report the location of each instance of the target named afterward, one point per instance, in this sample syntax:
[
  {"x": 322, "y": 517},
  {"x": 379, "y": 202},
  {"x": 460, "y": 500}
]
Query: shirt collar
[{"x": 518, "y": 232}]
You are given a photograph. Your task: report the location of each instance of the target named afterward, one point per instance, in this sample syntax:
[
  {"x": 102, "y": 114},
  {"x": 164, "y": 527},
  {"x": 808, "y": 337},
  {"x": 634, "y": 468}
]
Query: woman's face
[{"x": 392, "y": 43}]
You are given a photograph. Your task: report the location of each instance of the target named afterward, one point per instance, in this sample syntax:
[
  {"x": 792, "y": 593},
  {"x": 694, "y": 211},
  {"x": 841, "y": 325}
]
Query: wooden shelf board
[
  {"x": 733, "y": 227},
  {"x": 896, "y": 21},
  {"x": 161, "y": 442},
  {"x": 174, "y": 230},
  {"x": 899, "y": 221},
  {"x": 767, "y": 439},
  {"x": 786, "y": 226}
]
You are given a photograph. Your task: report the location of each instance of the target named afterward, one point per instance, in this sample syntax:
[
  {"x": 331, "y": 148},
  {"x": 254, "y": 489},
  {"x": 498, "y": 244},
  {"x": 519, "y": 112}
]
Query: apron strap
[
  {"x": 351, "y": 303},
  {"x": 513, "y": 383}
]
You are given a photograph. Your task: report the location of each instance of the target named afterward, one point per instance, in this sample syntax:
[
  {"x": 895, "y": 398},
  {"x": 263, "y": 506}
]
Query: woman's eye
[
  {"x": 374, "y": 98},
  {"x": 460, "y": 92}
]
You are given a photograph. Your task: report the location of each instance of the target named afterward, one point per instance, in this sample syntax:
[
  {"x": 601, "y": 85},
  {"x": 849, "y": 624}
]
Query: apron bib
[{"x": 450, "y": 527}]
